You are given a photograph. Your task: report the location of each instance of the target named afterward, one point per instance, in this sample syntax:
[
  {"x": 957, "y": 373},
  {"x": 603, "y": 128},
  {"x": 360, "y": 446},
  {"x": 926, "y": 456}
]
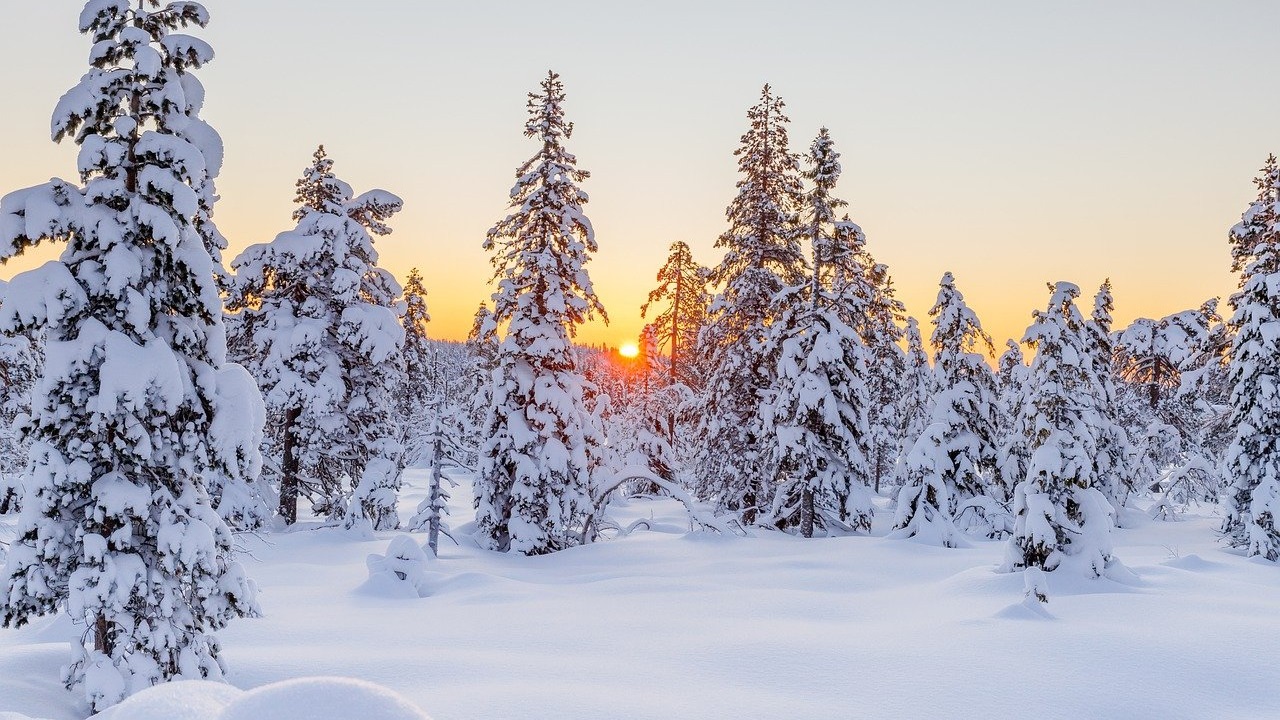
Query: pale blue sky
[{"x": 1013, "y": 143}]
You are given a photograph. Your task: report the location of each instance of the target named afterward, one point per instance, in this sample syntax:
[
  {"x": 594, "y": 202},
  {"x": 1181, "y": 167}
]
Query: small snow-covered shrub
[{"x": 401, "y": 572}]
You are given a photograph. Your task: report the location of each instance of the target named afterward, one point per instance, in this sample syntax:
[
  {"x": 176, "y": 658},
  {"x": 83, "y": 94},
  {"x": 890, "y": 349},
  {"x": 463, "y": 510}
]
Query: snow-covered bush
[{"x": 401, "y": 571}]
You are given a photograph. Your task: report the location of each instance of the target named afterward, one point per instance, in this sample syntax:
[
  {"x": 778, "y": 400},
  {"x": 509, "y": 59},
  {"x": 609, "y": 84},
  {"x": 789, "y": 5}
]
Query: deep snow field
[{"x": 670, "y": 624}]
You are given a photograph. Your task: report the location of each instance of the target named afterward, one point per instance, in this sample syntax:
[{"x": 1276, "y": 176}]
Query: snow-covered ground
[{"x": 667, "y": 624}]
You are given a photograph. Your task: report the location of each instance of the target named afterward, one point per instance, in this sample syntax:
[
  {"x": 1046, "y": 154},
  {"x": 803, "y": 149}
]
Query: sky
[{"x": 1012, "y": 143}]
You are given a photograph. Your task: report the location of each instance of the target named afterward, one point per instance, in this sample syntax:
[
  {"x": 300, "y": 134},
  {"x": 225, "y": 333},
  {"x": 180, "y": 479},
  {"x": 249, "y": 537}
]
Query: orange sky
[{"x": 1011, "y": 145}]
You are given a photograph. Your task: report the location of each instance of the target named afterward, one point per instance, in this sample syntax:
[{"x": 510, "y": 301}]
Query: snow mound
[
  {"x": 321, "y": 698},
  {"x": 1194, "y": 563},
  {"x": 1029, "y": 609},
  {"x": 318, "y": 698},
  {"x": 184, "y": 700}
]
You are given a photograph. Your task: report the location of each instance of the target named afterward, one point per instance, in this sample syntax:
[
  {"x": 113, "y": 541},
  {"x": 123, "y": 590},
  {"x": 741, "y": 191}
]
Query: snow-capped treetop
[
  {"x": 823, "y": 173},
  {"x": 540, "y": 251},
  {"x": 1010, "y": 359},
  {"x": 1258, "y": 224},
  {"x": 762, "y": 245},
  {"x": 1103, "y": 305},
  {"x": 956, "y": 330}
]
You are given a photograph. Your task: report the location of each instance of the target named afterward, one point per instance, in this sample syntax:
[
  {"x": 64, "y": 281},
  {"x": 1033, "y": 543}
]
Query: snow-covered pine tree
[
  {"x": 319, "y": 323},
  {"x": 430, "y": 427},
  {"x": 482, "y": 355},
  {"x": 951, "y": 459},
  {"x": 915, "y": 401},
  {"x": 762, "y": 257},
  {"x": 868, "y": 305},
  {"x": 818, "y": 417},
  {"x": 413, "y": 399},
  {"x": 1116, "y": 455},
  {"x": 1252, "y": 466},
  {"x": 137, "y": 409},
  {"x": 882, "y": 334},
  {"x": 1060, "y": 515},
  {"x": 1013, "y": 431},
  {"x": 534, "y": 484},
  {"x": 682, "y": 289}
]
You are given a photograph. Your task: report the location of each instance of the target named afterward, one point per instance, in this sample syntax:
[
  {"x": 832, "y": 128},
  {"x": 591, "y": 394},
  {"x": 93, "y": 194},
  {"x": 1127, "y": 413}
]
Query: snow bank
[
  {"x": 332, "y": 698},
  {"x": 321, "y": 698}
]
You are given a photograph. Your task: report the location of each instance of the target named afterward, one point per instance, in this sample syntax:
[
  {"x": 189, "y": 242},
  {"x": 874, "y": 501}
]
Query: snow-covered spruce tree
[
  {"x": 882, "y": 334},
  {"x": 868, "y": 305},
  {"x": 414, "y": 398},
  {"x": 137, "y": 409},
  {"x": 1173, "y": 400},
  {"x": 1013, "y": 432},
  {"x": 915, "y": 401},
  {"x": 430, "y": 427},
  {"x": 818, "y": 417},
  {"x": 1252, "y": 466},
  {"x": 682, "y": 290},
  {"x": 534, "y": 484},
  {"x": 482, "y": 356},
  {"x": 1060, "y": 515},
  {"x": 319, "y": 323},
  {"x": 951, "y": 459},
  {"x": 1116, "y": 455},
  {"x": 762, "y": 257}
]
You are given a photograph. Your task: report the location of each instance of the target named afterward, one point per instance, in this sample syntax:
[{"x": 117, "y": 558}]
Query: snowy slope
[{"x": 664, "y": 624}]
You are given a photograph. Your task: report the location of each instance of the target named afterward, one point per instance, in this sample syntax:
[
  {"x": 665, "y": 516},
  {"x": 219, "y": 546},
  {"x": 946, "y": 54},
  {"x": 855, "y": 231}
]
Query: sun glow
[{"x": 629, "y": 350}]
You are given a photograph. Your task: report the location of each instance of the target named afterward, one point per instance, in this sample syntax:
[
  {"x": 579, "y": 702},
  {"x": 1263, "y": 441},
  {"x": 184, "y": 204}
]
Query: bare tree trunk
[
  {"x": 101, "y": 637},
  {"x": 433, "y": 524},
  {"x": 289, "y": 468},
  {"x": 675, "y": 325},
  {"x": 806, "y": 512}
]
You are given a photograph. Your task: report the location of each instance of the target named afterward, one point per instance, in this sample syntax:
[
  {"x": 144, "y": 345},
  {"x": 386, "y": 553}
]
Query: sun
[{"x": 629, "y": 350}]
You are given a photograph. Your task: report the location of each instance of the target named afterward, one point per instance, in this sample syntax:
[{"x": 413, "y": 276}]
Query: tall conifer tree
[
  {"x": 319, "y": 324},
  {"x": 534, "y": 486},
  {"x": 818, "y": 417},
  {"x": 1252, "y": 465},
  {"x": 137, "y": 412},
  {"x": 1116, "y": 457},
  {"x": 762, "y": 257}
]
